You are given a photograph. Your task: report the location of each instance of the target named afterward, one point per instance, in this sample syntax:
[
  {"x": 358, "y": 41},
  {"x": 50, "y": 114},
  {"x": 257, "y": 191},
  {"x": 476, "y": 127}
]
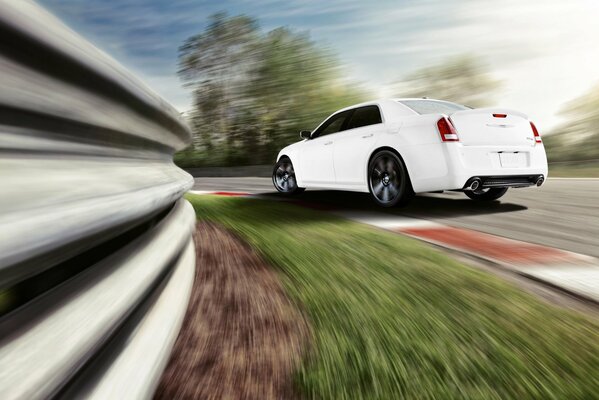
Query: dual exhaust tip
[
  {"x": 540, "y": 181},
  {"x": 477, "y": 183}
]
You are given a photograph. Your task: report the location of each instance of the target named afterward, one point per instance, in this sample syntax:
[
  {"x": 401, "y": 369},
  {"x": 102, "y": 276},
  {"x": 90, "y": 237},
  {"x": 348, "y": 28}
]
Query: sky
[{"x": 544, "y": 51}]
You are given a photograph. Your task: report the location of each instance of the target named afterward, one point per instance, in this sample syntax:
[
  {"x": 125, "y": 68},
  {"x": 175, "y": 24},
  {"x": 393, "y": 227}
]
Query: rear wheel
[
  {"x": 488, "y": 194},
  {"x": 388, "y": 180},
  {"x": 283, "y": 177}
]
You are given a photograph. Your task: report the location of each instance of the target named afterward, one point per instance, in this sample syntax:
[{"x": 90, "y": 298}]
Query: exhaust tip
[
  {"x": 540, "y": 181},
  {"x": 475, "y": 184}
]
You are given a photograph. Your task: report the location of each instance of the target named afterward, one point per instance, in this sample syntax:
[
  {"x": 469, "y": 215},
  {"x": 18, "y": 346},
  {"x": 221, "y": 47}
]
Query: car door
[
  {"x": 353, "y": 145},
  {"x": 316, "y": 154}
]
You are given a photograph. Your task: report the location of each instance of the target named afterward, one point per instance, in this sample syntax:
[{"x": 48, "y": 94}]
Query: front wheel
[
  {"x": 388, "y": 180},
  {"x": 488, "y": 194},
  {"x": 283, "y": 178}
]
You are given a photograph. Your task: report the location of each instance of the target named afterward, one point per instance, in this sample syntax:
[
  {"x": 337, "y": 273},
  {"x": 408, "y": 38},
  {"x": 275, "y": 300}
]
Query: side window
[
  {"x": 332, "y": 125},
  {"x": 364, "y": 116}
]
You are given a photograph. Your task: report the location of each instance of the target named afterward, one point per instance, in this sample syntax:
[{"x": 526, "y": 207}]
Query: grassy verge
[
  {"x": 393, "y": 318},
  {"x": 576, "y": 170}
]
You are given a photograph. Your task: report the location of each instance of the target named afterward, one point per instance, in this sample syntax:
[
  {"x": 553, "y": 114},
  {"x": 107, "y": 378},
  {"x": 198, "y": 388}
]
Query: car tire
[
  {"x": 283, "y": 178},
  {"x": 486, "y": 195},
  {"x": 388, "y": 180}
]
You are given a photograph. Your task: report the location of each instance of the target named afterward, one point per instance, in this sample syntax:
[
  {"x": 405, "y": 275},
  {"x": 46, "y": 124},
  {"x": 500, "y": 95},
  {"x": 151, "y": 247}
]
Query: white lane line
[
  {"x": 582, "y": 280},
  {"x": 201, "y": 192},
  {"x": 385, "y": 221}
]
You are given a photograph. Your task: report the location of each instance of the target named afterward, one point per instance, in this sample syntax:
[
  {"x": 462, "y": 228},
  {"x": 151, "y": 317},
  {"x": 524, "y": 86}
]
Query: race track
[{"x": 563, "y": 213}]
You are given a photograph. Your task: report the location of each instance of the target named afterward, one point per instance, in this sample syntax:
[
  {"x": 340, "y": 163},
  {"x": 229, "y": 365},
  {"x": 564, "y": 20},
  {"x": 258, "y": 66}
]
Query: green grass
[
  {"x": 393, "y": 318},
  {"x": 574, "y": 170}
]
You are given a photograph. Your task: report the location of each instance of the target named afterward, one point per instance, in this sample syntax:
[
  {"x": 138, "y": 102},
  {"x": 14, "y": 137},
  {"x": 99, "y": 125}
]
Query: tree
[
  {"x": 253, "y": 91},
  {"x": 462, "y": 79},
  {"x": 210, "y": 63},
  {"x": 578, "y": 138}
]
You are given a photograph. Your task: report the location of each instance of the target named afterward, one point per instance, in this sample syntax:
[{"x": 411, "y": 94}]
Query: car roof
[
  {"x": 387, "y": 100},
  {"x": 386, "y": 104}
]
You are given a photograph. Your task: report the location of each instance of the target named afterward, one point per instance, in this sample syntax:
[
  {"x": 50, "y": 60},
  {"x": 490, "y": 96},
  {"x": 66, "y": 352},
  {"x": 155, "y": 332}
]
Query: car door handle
[
  {"x": 328, "y": 143},
  {"x": 367, "y": 136}
]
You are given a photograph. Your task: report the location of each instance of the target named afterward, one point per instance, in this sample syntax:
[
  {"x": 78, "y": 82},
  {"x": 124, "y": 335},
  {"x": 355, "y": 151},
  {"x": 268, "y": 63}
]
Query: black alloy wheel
[
  {"x": 283, "y": 177},
  {"x": 388, "y": 180}
]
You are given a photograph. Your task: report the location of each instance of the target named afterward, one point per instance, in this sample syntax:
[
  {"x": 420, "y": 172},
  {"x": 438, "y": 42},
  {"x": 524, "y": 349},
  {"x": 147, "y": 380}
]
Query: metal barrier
[{"x": 96, "y": 251}]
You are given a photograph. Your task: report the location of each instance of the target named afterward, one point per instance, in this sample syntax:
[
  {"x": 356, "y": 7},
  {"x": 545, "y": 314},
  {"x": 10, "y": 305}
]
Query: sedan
[{"x": 395, "y": 148}]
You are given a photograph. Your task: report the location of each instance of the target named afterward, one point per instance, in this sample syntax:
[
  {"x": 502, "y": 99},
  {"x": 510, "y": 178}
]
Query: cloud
[{"x": 542, "y": 50}]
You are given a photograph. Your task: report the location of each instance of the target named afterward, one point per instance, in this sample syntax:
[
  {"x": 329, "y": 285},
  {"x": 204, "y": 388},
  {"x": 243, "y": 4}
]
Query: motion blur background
[
  {"x": 251, "y": 74},
  {"x": 102, "y": 295}
]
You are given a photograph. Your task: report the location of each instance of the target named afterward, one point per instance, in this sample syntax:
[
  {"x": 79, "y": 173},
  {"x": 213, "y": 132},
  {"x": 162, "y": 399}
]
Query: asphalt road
[{"x": 563, "y": 213}]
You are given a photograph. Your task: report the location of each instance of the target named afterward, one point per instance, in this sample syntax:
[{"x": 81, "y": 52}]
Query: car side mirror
[{"x": 305, "y": 134}]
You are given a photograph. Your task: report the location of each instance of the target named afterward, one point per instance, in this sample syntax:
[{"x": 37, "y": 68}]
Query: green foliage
[
  {"x": 462, "y": 79},
  {"x": 578, "y": 138},
  {"x": 393, "y": 318},
  {"x": 574, "y": 169},
  {"x": 253, "y": 91}
]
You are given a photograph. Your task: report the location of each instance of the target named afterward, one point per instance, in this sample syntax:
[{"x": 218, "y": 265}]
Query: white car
[{"x": 394, "y": 148}]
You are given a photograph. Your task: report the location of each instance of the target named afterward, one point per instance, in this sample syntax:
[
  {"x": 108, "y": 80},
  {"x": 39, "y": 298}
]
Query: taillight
[
  {"x": 447, "y": 130},
  {"x": 500, "y": 115},
  {"x": 536, "y": 133}
]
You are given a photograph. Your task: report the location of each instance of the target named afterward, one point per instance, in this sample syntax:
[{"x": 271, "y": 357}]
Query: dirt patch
[{"x": 242, "y": 338}]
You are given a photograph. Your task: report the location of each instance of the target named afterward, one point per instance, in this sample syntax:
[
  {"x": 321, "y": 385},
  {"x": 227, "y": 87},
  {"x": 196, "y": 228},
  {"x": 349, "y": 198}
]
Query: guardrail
[{"x": 96, "y": 250}]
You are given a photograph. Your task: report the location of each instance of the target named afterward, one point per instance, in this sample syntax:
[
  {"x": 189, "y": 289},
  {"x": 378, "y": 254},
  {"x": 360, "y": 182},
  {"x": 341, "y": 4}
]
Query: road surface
[{"x": 563, "y": 213}]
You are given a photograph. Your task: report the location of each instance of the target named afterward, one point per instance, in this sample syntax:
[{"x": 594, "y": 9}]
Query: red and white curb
[
  {"x": 221, "y": 193},
  {"x": 572, "y": 272}
]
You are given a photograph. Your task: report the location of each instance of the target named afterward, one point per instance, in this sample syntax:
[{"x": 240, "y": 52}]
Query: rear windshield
[{"x": 433, "y": 106}]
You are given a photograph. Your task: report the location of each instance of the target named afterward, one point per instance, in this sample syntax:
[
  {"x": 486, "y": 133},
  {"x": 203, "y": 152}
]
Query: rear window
[
  {"x": 364, "y": 116},
  {"x": 433, "y": 106}
]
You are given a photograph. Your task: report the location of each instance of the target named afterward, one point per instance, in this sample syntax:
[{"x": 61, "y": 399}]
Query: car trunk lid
[{"x": 493, "y": 127}]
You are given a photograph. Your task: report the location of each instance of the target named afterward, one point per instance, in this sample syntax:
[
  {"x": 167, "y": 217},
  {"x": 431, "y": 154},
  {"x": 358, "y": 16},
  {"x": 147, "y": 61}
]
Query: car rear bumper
[
  {"x": 466, "y": 163},
  {"x": 506, "y": 181},
  {"x": 451, "y": 166}
]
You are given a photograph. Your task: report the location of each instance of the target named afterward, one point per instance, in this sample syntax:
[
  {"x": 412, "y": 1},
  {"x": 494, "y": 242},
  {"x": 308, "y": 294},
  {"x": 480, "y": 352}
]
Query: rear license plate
[{"x": 512, "y": 160}]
